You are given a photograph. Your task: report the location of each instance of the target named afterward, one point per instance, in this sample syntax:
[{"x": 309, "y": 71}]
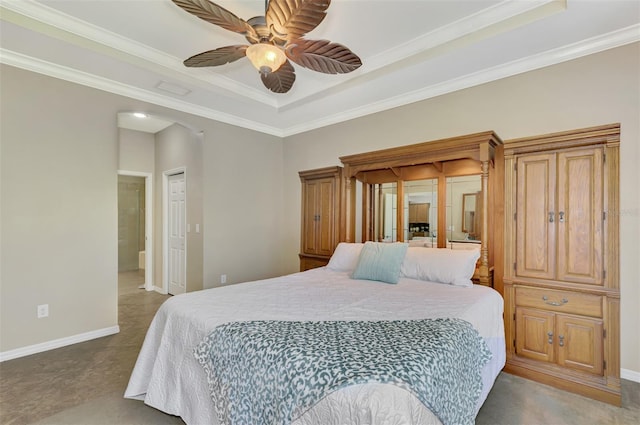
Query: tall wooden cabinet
[
  {"x": 321, "y": 197},
  {"x": 418, "y": 212},
  {"x": 561, "y": 284}
]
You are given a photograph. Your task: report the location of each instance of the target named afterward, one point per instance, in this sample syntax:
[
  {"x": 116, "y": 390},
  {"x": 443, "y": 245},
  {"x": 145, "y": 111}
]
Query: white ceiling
[{"x": 411, "y": 50}]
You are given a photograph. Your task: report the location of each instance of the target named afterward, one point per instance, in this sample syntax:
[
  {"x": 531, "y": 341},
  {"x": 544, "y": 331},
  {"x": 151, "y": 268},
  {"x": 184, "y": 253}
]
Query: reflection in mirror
[
  {"x": 385, "y": 212},
  {"x": 421, "y": 211},
  {"x": 463, "y": 210},
  {"x": 470, "y": 220}
]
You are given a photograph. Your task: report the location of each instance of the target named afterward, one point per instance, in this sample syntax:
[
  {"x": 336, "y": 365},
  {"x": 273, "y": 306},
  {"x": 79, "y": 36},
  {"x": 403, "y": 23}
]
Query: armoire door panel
[
  {"x": 535, "y": 334},
  {"x": 580, "y": 216},
  {"x": 310, "y": 217},
  {"x": 536, "y": 218},
  {"x": 326, "y": 211},
  {"x": 580, "y": 344}
]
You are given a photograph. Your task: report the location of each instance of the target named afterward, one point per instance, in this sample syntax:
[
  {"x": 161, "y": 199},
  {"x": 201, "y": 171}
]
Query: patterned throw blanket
[{"x": 271, "y": 372}]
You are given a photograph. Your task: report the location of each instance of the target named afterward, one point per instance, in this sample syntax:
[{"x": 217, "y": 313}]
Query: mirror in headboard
[
  {"x": 421, "y": 210},
  {"x": 469, "y": 216},
  {"x": 385, "y": 212},
  {"x": 463, "y": 218}
]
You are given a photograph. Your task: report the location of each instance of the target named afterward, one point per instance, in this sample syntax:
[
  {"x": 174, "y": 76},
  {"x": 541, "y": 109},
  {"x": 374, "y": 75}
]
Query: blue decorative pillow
[{"x": 380, "y": 261}]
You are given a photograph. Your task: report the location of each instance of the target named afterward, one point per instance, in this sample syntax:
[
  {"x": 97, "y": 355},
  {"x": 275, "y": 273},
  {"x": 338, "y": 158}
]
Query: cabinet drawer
[{"x": 560, "y": 301}]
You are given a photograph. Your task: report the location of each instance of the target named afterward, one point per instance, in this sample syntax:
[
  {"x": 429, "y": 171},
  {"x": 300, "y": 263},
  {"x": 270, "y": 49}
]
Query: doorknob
[
  {"x": 550, "y": 216},
  {"x": 561, "y": 218}
]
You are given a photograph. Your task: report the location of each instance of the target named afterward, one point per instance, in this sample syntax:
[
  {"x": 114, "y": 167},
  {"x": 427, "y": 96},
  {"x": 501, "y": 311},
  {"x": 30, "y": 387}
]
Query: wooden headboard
[{"x": 473, "y": 154}]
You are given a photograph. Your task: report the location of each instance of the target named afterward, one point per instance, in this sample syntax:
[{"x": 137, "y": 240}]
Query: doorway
[{"x": 134, "y": 229}]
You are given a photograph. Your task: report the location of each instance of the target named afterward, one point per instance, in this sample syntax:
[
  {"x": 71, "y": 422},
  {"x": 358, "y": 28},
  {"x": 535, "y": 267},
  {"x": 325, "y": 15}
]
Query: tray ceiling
[{"x": 411, "y": 50}]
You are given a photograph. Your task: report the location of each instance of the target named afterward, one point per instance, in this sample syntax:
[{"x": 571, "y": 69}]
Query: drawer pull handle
[
  {"x": 555, "y": 303},
  {"x": 550, "y": 335},
  {"x": 550, "y": 216},
  {"x": 561, "y": 338}
]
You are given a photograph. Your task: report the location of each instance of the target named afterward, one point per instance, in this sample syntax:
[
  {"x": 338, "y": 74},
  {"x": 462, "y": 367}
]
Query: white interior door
[{"x": 177, "y": 234}]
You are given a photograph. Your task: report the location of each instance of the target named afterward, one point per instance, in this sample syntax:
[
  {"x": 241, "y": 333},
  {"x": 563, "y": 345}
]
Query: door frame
[
  {"x": 148, "y": 224},
  {"x": 165, "y": 226}
]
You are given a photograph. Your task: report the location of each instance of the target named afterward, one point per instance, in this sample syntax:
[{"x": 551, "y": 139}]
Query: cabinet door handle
[
  {"x": 555, "y": 303},
  {"x": 561, "y": 342},
  {"x": 550, "y": 216},
  {"x": 561, "y": 217},
  {"x": 550, "y": 335}
]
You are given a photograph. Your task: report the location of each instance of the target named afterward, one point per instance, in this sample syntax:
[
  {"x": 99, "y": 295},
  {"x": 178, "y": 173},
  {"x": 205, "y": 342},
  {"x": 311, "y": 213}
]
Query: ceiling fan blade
[
  {"x": 323, "y": 56},
  {"x": 217, "y": 57},
  {"x": 280, "y": 81},
  {"x": 291, "y": 19},
  {"x": 217, "y": 15}
]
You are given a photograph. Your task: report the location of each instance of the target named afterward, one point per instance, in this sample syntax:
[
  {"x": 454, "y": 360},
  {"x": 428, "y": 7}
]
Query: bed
[{"x": 167, "y": 375}]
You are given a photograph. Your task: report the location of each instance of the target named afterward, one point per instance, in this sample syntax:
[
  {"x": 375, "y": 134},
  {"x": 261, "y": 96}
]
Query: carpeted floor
[{"x": 83, "y": 384}]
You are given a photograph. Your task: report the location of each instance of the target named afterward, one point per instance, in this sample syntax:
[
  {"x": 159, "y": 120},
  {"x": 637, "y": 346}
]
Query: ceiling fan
[{"x": 274, "y": 39}]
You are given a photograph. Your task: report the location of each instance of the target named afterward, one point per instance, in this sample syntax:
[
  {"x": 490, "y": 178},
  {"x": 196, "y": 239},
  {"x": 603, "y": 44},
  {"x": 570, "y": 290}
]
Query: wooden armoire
[
  {"x": 561, "y": 277},
  {"x": 321, "y": 206}
]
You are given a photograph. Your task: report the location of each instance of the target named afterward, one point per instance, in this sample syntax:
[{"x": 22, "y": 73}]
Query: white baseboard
[
  {"x": 159, "y": 290},
  {"x": 57, "y": 343},
  {"x": 631, "y": 375}
]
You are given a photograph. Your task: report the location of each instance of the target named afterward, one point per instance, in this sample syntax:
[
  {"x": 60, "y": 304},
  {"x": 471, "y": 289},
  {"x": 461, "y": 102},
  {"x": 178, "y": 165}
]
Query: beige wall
[
  {"x": 59, "y": 210},
  {"x": 180, "y": 147},
  {"x": 598, "y": 89},
  {"x": 58, "y": 194},
  {"x": 136, "y": 150},
  {"x": 244, "y": 208}
]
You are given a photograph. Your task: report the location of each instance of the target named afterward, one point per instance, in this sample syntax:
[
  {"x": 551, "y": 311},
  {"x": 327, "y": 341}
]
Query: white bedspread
[{"x": 168, "y": 377}]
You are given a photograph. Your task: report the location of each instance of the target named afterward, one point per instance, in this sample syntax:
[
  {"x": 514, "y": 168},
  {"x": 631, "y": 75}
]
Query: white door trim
[
  {"x": 148, "y": 224},
  {"x": 165, "y": 225}
]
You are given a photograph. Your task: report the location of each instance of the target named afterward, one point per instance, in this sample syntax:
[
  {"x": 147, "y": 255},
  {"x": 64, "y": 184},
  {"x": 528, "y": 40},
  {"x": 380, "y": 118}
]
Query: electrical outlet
[
  {"x": 223, "y": 278},
  {"x": 43, "y": 311}
]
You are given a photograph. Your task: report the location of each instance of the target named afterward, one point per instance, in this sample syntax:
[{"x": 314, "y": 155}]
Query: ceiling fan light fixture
[
  {"x": 266, "y": 58},
  {"x": 281, "y": 30}
]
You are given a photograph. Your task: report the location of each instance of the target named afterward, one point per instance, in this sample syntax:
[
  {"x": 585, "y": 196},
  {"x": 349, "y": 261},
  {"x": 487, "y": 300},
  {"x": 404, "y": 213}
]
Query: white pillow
[
  {"x": 464, "y": 245},
  {"x": 345, "y": 257},
  {"x": 416, "y": 242},
  {"x": 454, "y": 267}
]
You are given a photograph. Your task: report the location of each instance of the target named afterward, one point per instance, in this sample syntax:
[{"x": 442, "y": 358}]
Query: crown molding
[
  {"x": 125, "y": 48},
  {"x": 479, "y": 25},
  {"x": 573, "y": 51},
  {"x": 132, "y": 51},
  {"x": 569, "y": 52},
  {"x": 470, "y": 26},
  {"x": 83, "y": 78}
]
